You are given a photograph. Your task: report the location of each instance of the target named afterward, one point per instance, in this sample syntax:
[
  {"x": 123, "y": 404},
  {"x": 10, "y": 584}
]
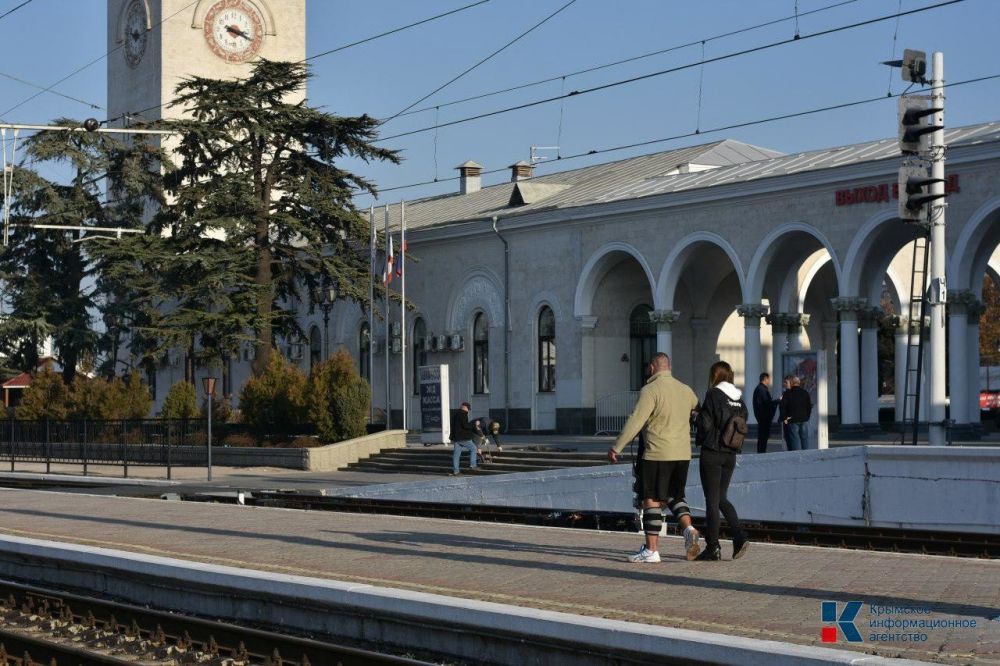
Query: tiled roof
[
  {"x": 23, "y": 380},
  {"x": 659, "y": 173}
]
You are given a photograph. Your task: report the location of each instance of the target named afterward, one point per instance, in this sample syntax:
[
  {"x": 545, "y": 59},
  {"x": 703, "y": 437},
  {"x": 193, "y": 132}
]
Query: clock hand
[{"x": 234, "y": 30}]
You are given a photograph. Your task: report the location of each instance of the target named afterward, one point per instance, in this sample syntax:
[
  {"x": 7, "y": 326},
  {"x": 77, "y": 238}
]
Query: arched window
[
  {"x": 641, "y": 345},
  {"x": 419, "y": 351},
  {"x": 364, "y": 345},
  {"x": 315, "y": 347},
  {"x": 546, "y": 350},
  {"x": 480, "y": 354}
]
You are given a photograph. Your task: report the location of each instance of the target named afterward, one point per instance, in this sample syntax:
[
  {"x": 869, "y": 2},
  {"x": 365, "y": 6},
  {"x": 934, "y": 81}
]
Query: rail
[{"x": 612, "y": 411}]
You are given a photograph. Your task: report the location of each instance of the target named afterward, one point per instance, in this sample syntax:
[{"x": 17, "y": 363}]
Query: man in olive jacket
[{"x": 664, "y": 410}]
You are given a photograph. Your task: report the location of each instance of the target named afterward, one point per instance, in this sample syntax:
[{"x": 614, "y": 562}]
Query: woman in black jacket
[{"x": 722, "y": 402}]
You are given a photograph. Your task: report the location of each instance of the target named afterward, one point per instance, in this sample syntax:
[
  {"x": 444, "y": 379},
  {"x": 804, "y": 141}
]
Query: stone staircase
[{"x": 437, "y": 460}]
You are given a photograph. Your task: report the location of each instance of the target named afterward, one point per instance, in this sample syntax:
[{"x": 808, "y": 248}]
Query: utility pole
[{"x": 939, "y": 290}]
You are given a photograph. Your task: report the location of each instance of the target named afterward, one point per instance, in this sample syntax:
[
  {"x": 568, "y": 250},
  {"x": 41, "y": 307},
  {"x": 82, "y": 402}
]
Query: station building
[{"x": 546, "y": 295}]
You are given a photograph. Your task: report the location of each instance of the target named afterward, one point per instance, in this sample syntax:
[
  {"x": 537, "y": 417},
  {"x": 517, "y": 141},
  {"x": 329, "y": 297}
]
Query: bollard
[
  {"x": 85, "y": 447},
  {"x": 124, "y": 448},
  {"x": 10, "y": 425},
  {"x": 48, "y": 452},
  {"x": 169, "y": 428}
]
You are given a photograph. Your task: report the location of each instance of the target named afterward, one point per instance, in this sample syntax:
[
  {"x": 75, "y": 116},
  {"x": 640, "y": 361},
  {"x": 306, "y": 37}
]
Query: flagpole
[
  {"x": 385, "y": 281},
  {"x": 371, "y": 310},
  {"x": 402, "y": 302}
]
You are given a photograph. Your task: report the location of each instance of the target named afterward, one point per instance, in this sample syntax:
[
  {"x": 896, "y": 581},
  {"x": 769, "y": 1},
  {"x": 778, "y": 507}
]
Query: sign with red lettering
[{"x": 883, "y": 193}]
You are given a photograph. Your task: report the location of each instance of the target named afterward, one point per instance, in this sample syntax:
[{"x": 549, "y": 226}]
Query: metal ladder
[{"x": 918, "y": 303}]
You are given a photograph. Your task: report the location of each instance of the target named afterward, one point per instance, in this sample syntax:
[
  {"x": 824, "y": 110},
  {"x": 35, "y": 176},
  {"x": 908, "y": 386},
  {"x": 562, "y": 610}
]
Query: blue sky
[{"x": 48, "y": 39}]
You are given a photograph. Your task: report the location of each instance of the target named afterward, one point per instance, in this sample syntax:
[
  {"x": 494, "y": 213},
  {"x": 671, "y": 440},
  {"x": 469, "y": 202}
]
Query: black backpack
[{"x": 735, "y": 429}]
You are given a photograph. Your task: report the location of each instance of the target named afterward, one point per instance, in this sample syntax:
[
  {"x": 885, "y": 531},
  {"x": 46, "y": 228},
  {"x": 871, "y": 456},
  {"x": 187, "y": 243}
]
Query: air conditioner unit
[
  {"x": 457, "y": 342},
  {"x": 378, "y": 346},
  {"x": 397, "y": 346},
  {"x": 440, "y": 343},
  {"x": 397, "y": 330},
  {"x": 296, "y": 351}
]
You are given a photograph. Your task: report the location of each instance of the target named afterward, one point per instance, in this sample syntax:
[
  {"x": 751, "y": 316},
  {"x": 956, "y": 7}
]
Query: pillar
[
  {"x": 752, "y": 314},
  {"x": 664, "y": 320},
  {"x": 588, "y": 326},
  {"x": 868, "y": 318},
  {"x": 973, "y": 312},
  {"x": 704, "y": 348},
  {"x": 850, "y": 384},
  {"x": 959, "y": 383},
  {"x": 830, "y": 330},
  {"x": 901, "y": 337},
  {"x": 779, "y": 345}
]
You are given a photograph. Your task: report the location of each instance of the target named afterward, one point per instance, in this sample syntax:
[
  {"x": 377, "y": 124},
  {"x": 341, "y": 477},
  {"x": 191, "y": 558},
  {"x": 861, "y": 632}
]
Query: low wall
[
  {"x": 335, "y": 456},
  {"x": 949, "y": 488}
]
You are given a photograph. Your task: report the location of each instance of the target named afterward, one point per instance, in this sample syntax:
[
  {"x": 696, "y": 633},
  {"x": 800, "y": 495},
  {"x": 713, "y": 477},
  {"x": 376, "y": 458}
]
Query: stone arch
[
  {"x": 875, "y": 232},
  {"x": 778, "y": 239},
  {"x": 480, "y": 291},
  {"x": 548, "y": 298},
  {"x": 975, "y": 247},
  {"x": 597, "y": 267},
  {"x": 676, "y": 262},
  {"x": 120, "y": 28},
  {"x": 198, "y": 20},
  {"x": 816, "y": 262}
]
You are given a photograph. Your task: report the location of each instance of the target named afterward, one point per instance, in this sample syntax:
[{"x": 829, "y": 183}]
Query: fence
[
  {"x": 118, "y": 442},
  {"x": 612, "y": 411}
]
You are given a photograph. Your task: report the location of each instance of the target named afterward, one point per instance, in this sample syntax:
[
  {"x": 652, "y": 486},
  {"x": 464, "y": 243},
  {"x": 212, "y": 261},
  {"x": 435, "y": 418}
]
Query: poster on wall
[
  {"x": 435, "y": 413},
  {"x": 810, "y": 367}
]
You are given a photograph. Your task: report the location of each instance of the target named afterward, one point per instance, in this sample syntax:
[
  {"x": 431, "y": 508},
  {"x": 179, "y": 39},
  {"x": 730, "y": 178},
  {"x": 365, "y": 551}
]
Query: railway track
[
  {"x": 54, "y": 628},
  {"x": 867, "y": 538}
]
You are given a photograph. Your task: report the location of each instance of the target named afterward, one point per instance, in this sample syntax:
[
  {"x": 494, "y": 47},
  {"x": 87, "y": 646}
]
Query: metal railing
[{"x": 613, "y": 410}]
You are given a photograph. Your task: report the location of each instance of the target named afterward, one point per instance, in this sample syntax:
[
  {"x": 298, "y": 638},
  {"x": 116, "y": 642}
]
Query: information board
[
  {"x": 435, "y": 412},
  {"x": 810, "y": 368}
]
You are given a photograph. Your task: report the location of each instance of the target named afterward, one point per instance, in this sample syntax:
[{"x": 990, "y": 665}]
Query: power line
[
  {"x": 394, "y": 30},
  {"x": 11, "y": 11},
  {"x": 626, "y": 61},
  {"x": 671, "y": 70},
  {"x": 723, "y": 128},
  {"x": 54, "y": 92},
  {"x": 92, "y": 62},
  {"x": 499, "y": 50}
]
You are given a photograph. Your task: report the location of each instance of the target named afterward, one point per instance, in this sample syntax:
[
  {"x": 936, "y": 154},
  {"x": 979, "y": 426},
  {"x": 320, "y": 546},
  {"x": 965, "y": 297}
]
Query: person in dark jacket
[
  {"x": 797, "y": 408},
  {"x": 462, "y": 434},
  {"x": 722, "y": 402},
  {"x": 764, "y": 407},
  {"x": 786, "y": 383}
]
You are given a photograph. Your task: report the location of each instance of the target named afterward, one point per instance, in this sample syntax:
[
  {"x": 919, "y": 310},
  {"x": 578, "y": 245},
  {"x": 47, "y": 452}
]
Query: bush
[
  {"x": 222, "y": 410},
  {"x": 47, "y": 397},
  {"x": 338, "y": 399},
  {"x": 239, "y": 441},
  {"x": 274, "y": 402},
  {"x": 181, "y": 402},
  {"x": 302, "y": 443},
  {"x": 98, "y": 398}
]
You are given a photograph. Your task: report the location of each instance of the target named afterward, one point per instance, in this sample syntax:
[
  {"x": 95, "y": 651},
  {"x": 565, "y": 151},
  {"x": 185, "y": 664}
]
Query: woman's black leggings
[{"x": 716, "y": 469}]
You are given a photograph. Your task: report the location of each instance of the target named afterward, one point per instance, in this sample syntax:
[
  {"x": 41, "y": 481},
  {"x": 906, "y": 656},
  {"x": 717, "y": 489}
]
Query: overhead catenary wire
[
  {"x": 671, "y": 70},
  {"x": 11, "y": 11},
  {"x": 722, "y": 128},
  {"x": 37, "y": 86},
  {"x": 482, "y": 61},
  {"x": 90, "y": 64},
  {"x": 628, "y": 60}
]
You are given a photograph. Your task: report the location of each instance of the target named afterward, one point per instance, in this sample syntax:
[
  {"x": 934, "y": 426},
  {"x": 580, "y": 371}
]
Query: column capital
[
  {"x": 960, "y": 301},
  {"x": 868, "y": 317},
  {"x": 664, "y": 319},
  {"x": 587, "y": 322},
  {"x": 975, "y": 310},
  {"x": 752, "y": 313},
  {"x": 796, "y": 320},
  {"x": 848, "y": 306}
]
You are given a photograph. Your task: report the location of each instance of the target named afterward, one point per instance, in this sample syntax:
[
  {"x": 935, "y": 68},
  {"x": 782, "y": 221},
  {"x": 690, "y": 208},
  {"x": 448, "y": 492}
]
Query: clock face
[
  {"x": 234, "y": 30},
  {"x": 135, "y": 33}
]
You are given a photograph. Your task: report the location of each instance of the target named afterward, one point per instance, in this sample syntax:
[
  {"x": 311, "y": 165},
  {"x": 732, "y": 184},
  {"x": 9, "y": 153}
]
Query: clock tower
[{"x": 155, "y": 44}]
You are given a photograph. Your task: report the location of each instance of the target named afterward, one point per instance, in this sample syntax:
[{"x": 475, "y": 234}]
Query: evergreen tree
[
  {"x": 261, "y": 214},
  {"x": 50, "y": 273}
]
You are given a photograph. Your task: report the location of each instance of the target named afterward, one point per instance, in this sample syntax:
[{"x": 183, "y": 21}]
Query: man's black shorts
[{"x": 662, "y": 480}]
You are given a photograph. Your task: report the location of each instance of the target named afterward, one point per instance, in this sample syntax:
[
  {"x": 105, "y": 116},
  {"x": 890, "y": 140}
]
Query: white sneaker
[
  {"x": 645, "y": 555},
  {"x": 691, "y": 543}
]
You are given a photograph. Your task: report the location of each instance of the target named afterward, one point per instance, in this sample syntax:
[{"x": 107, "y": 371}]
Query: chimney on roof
[
  {"x": 469, "y": 177},
  {"x": 521, "y": 171}
]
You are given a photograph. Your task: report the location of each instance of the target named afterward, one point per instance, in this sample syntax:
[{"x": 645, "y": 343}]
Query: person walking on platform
[
  {"x": 797, "y": 410},
  {"x": 763, "y": 410},
  {"x": 721, "y": 423},
  {"x": 664, "y": 410},
  {"x": 462, "y": 434}
]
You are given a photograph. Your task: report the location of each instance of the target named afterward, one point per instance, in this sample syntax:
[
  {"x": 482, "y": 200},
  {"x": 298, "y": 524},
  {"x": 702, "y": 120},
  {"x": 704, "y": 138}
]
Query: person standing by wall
[
  {"x": 462, "y": 433},
  {"x": 786, "y": 383},
  {"x": 664, "y": 410},
  {"x": 763, "y": 410},
  {"x": 797, "y": 409},
  {"x": 722, "y": 404}
]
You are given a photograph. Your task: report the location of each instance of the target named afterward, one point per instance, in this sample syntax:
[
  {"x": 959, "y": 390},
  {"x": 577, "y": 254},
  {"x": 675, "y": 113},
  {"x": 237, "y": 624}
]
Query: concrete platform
[{"x": 774, "y": 594}]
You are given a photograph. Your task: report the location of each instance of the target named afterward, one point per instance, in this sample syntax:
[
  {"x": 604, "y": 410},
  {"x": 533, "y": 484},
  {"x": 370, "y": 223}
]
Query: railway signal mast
[{"x": 921, "y": 201}]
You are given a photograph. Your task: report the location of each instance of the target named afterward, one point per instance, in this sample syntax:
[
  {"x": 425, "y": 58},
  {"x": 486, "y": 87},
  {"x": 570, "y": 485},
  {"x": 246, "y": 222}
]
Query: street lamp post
[
  {"x": 208, "y": 384},
  {"x": 326, "y": 300}
]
